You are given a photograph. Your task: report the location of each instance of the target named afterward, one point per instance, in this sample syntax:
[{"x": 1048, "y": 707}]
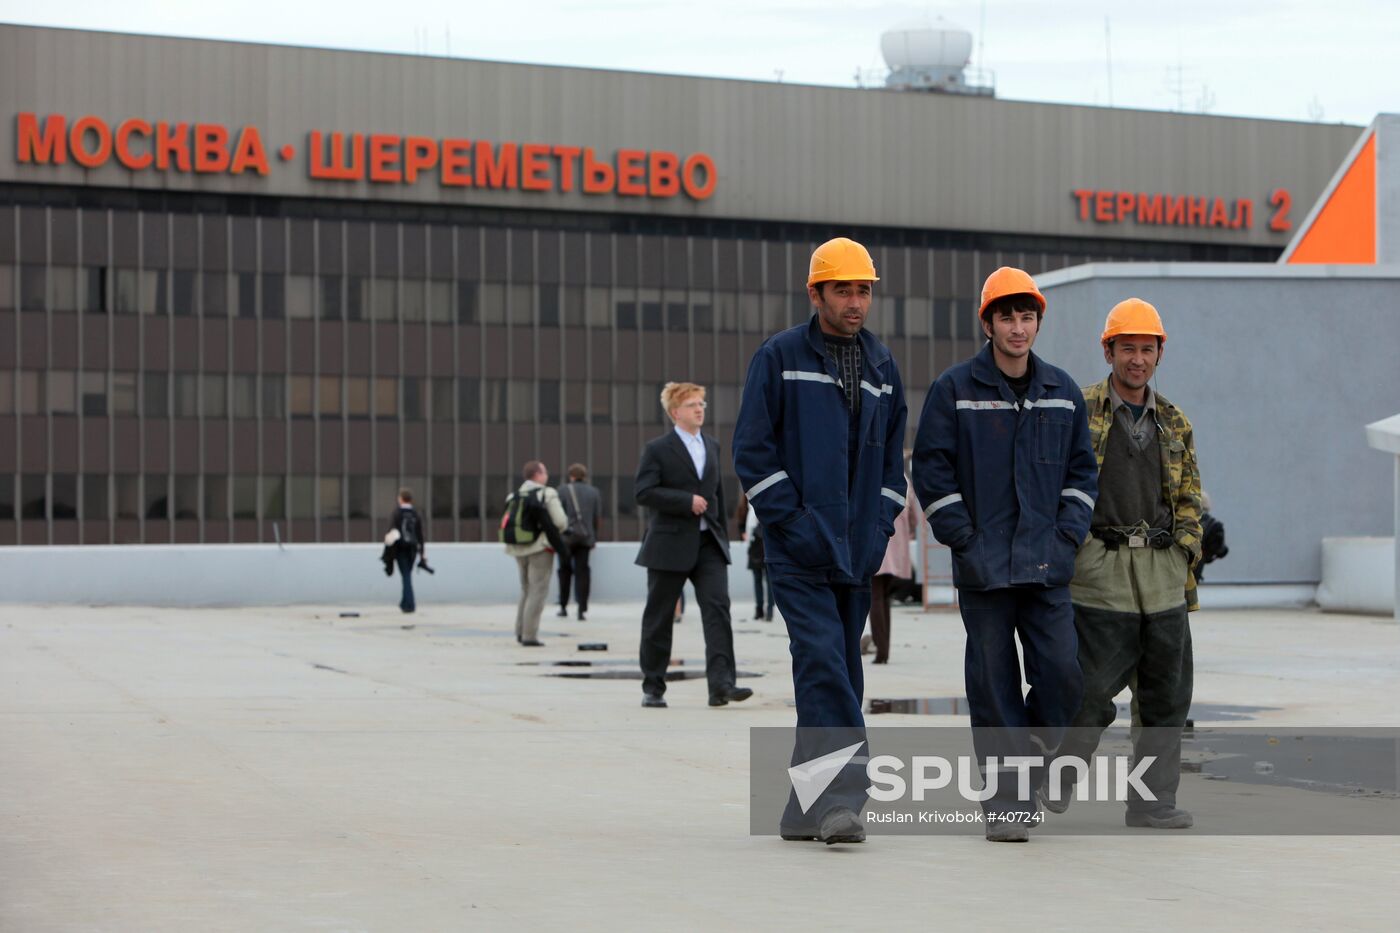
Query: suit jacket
[{"x": 665, "y": 483}]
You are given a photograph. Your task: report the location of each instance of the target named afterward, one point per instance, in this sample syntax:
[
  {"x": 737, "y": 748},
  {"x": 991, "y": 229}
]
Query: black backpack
[
  {"x": 410, "y": 535},
  {"x": 521, "y": 522}
]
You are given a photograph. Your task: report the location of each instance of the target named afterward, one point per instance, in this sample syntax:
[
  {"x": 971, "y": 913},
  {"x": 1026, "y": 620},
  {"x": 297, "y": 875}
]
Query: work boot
[
  {"x": 840, "y": 824},
  {"x": 1160, "y": 818},
  {"x": 1005, "y": 831},
  {"x": 1055, "y": 805}
]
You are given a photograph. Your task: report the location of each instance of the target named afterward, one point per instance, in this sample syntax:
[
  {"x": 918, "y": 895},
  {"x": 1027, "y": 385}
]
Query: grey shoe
[
  {"x": 840, "y": 824},
  {"x": 1002, "y": 831},
  {"x": 1055, "y": 806},
  {"x": 1161, "y": 818}
]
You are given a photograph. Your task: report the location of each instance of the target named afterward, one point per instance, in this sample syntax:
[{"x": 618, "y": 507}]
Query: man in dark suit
[{"x": 678, "y": 481}]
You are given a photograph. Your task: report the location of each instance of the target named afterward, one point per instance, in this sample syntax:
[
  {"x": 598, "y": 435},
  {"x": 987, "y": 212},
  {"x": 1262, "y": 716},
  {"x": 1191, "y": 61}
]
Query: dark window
[
  {"x": 32, "y": 496},
  {"x": 468, "y": 497},
  {"x": 155, "y": 395},
  {"x": 626, "y": 502},
  {"x": 187, "y": 497},
  {"x": 494, "y": 398},
  {"x": 215, "y": 290},
  {"x": 549, "y": 401},
  {"x": 273, "y": 296},
  {"x": 245, "y": 497},
  {"x": 414, "y": 404},
  {"x": 677, "y": 321},
  {"x": 549, "y": 306},
  {"x": 466, "y": 302},
  {"x": 128, "y": 496},
  {"x": 357, "y": 489},
  {"x": 274, "y": 397},
  {"x": 245, "y": 284},
  {"x": 442, "y": 399},
  {"x": 94, "y": 288},
  {"x": 469, "y": 400},
  {"x": 245, "y": 396},
  {"x": 354, "y": 298},
  {"x": 274, "y": 498},
  {"x": 627, "y": 314},
  {"x": 575, "y": 402},
  {"x": 704, "y": 316},
  {"x": 95, "y": 497},
  {"x": 216, "y": 498},
  {"x": 157, "y": 500},
  {"x": 7, "y": 496},
  {"x": 331, "y": 290},
  {"x": 182, "y": 297},
  {"x": 33, "y": 283},
  {"x": 7, "y": 287},
  {"x": 442, "y": 497},
  {"x": 651, "y": 315}
]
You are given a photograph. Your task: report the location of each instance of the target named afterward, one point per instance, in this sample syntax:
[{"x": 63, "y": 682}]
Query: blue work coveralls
[
  {"x": 826, "y": 521},
  {"x": 1010, "y": 488}
]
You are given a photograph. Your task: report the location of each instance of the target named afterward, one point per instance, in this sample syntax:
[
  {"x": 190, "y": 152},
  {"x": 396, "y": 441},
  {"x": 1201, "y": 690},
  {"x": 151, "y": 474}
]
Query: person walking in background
[
  {"x": 583, "y": 506},
  {"x": 752, "y": 532},
  {"x": 534, "y": 508},
  {"x": 896, "y": 565},
  {"x": 408, "y": 544},
  {"x": 687, "y": 539}
]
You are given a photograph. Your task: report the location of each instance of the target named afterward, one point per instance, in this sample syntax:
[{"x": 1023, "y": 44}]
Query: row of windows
[
  {"x": 446, "y": 399},
  {"x": 156, "y": 497},
  {"x": 270, "y": 296}
]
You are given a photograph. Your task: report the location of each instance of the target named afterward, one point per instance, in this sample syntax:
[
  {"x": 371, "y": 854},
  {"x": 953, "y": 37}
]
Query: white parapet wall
[
  {"x": 299, "y": 574},
  {"x": 351, "y": 575}
]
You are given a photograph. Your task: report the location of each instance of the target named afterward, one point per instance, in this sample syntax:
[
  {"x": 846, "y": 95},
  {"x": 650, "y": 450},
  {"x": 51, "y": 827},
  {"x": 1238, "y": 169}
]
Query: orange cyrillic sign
[
  {"x": 140, "y": 145},
  {"x": 1108, "y": 207}
]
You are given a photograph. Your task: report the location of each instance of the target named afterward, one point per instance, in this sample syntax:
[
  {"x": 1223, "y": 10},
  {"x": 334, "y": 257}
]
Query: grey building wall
[
  {"x": 898, "y": 159},
  {"x": 1279, "y": 370}
]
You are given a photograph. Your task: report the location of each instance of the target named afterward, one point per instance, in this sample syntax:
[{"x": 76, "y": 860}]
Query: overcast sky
[{"x": 1336, "y": 62}]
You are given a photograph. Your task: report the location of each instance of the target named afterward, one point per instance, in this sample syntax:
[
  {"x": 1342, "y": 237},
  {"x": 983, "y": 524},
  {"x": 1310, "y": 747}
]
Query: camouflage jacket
[{"x": 1181, "y": 479}]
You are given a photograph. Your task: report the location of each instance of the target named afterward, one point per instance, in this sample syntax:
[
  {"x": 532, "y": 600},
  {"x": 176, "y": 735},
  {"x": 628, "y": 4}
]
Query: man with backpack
[
  {"x": 533, "y": 521},
  {"x": 408, "y": 545}
]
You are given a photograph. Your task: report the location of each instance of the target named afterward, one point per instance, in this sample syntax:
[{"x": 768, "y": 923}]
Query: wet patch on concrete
[
  {"x": 636, "y": 674},
  {"x": 957, "y": 706},
  {"x": 1349, "y": 765}
]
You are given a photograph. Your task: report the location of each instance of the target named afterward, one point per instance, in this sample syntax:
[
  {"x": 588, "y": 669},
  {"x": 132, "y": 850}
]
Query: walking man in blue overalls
[
  {"x": 818, "y": 447},
  {"x": 1004, "y": 464}
]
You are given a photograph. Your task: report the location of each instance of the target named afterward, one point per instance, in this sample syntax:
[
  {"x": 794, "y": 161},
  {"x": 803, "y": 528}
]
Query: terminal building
[{"x": 248, "y": 291}]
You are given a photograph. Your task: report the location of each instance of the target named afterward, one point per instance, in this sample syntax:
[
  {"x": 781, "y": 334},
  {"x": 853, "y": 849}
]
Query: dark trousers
[
  {"x": 710, "y": 578},
  {"x": 1115, "y": 646},
  {"x": 762, "y": 609},
  {"x": 880, "y": 615},
  {"x": 575, "y": 569},
  {"x": 824, "y": 622},
  {"x": 1004, "y": 721},
  {"x": 404, "y": 558}
]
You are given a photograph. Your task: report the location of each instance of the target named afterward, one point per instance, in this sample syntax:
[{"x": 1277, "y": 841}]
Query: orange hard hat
[
  {"x": 841, "y": 260},
  {"x": 1133, "y": 316},
  {"x": 1008, "y": 281}
]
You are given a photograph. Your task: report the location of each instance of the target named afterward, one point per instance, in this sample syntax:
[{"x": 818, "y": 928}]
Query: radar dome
[{"x": 933, "y": 46}]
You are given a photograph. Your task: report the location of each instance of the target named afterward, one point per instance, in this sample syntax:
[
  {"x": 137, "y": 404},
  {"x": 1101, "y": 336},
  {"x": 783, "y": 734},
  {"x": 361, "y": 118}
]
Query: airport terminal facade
[{"x": 246, "y": 292}]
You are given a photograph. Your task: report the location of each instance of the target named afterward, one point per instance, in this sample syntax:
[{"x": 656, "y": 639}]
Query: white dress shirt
[{"x": 695, "y": 446}]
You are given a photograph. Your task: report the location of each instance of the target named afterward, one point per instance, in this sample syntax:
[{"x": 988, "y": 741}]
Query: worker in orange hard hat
[
  {"x": 1003, "y": 462},
  {"x": 1132, "y": 586},
  {"x": 818, "y": 446}
]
